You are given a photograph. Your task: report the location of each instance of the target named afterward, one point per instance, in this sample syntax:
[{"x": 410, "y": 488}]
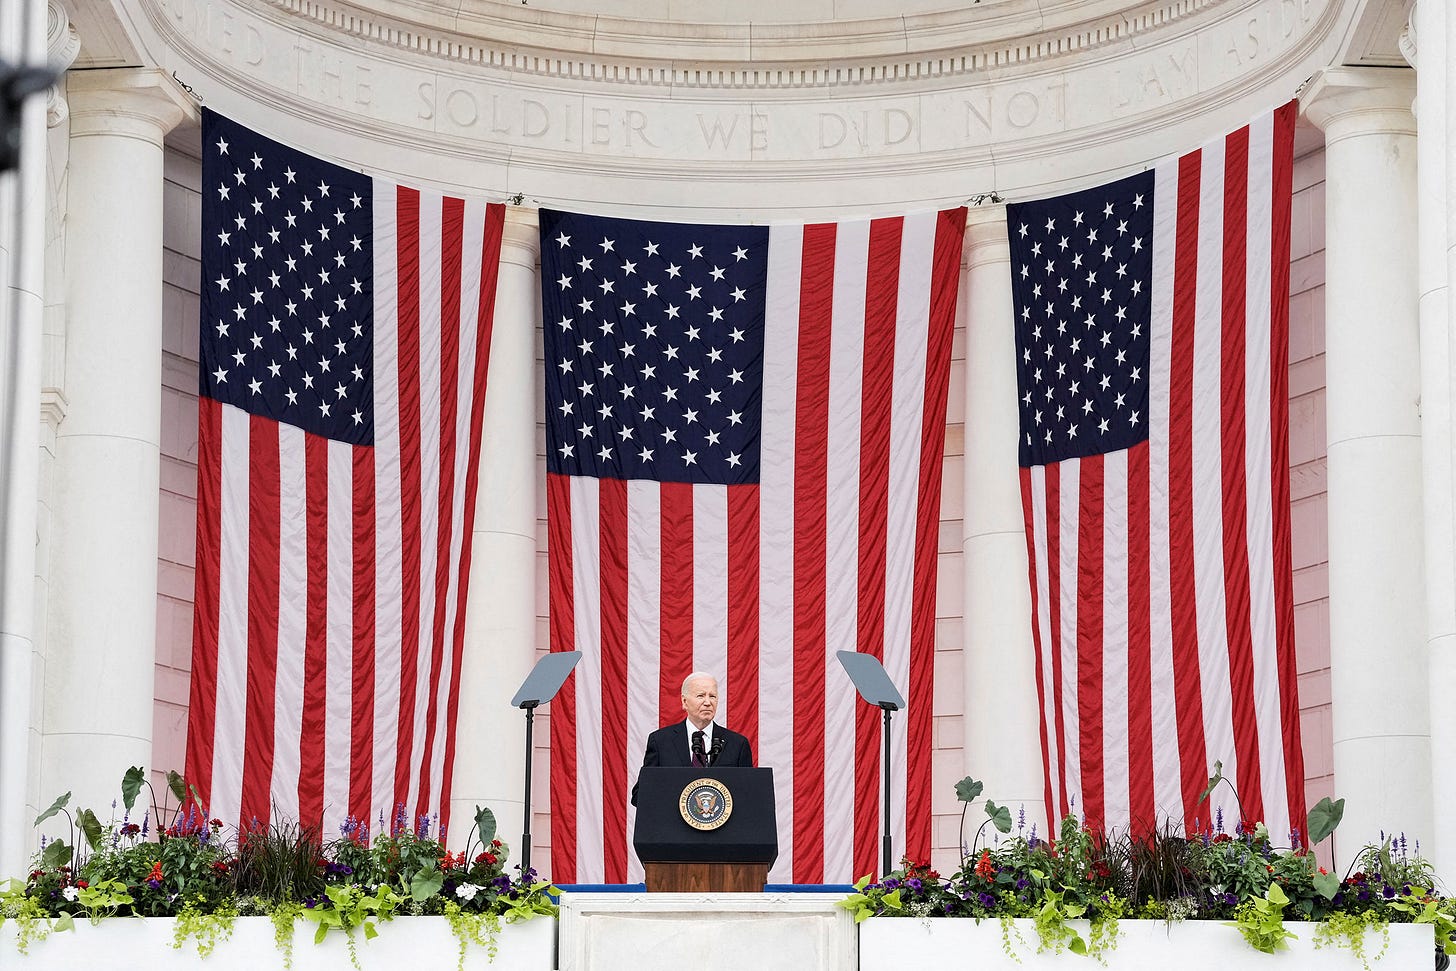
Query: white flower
[
  {"x": 467, "y": 891},
  {"x": 70, "y": 893}
]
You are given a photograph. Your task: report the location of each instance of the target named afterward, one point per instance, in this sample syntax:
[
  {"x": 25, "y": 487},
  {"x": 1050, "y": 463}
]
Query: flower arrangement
[
  {"x": 1240, "y": 877},
  {"x": 192, "y": 869}
]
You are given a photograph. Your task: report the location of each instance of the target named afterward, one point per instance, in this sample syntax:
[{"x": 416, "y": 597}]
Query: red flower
[
  {"x": 82, "y": 884},
  {"x": 156, "y": 873},
  {"x": 985, "y": 869},
  {"x": 219, "y": 866}
]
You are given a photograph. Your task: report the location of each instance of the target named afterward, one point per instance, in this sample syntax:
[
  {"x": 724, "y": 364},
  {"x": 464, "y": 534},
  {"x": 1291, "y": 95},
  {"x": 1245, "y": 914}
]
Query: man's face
[{"x": 700, "y": 700}]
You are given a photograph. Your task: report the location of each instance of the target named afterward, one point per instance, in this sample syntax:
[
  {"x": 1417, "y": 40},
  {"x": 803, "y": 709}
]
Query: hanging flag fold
[
  {"x": 1152, "y": 329},
  {"x": 745, "y": 431},
  {"x": 345, "y": 335}
]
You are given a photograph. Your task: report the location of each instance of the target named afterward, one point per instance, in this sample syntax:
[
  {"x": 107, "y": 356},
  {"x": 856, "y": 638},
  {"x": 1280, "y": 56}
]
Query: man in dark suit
[{"x": 696, "y": 740}]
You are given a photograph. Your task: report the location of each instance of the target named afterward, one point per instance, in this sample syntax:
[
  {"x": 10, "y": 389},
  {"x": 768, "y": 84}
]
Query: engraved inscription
[{"x": 1003, "y": 110}]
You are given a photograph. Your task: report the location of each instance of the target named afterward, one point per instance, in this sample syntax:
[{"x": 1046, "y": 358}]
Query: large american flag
[
  {"x": 345, "y": 333},
  {"x": 1152, "y": 341},
  {"x": 745, "y": 429}
]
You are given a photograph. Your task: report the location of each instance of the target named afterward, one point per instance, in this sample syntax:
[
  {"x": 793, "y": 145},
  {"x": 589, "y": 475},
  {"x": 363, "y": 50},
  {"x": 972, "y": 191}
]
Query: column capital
[
  {"x": 520, "y": 238},
  {"x": 985, "y": 240},
  {"x": 132, "y": 102},
  {"x": 1346, "y": 102}
]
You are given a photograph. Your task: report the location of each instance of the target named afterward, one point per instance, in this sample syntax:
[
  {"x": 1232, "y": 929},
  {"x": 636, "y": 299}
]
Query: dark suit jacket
[{"x": 669, "y": 746}]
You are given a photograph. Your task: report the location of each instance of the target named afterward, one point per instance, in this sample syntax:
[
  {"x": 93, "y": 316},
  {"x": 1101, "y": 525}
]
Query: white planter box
[
  {"x": 403, "y": 944},
  {"x": 907, "y": 942}
]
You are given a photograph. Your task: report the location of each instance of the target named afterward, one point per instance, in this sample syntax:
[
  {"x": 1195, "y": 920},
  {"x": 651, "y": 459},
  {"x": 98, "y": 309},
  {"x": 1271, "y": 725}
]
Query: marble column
[
  {"x": 500, "y": 614},
  {"x": 22, "y": 247},
  {"x": 1378, "y": 654},
  {"x": 1002, "y": 719},
  {"x": 100, "y": 651},
  {"x": 1424, "y": 45}
]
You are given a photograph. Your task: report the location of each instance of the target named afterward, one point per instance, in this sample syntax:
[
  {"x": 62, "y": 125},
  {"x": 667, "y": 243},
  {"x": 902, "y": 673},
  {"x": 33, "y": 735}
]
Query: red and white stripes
[
  {"x": 330, "y": 578},
  {"x": 833, "y": 549},
  {"x": 1161, "y": 585}
]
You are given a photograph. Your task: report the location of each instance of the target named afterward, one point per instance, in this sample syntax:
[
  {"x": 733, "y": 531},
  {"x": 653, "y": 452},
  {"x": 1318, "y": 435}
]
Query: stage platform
[{"x": 638, "y": 931}]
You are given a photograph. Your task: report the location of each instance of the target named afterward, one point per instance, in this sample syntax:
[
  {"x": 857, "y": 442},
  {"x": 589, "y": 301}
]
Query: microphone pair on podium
[{"x": 699, "y": 758}]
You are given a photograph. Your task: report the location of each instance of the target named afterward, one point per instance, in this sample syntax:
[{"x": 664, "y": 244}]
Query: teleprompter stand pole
[{"x": 540, "y": 686}]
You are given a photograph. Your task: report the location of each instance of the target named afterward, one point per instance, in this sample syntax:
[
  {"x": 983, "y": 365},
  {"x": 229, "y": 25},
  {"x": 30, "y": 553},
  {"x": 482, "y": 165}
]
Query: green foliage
[
  {"x": 1323, "y": 819},
  {"x": 1261, "y": 921},
  {"x": 968, "y": 789},
  {"x": 871, "y": 900},
  {"x": 283, "y": 917},
  {"x": 350, "y": 908},
  {"x": 484, "y": 825},
  {"x": 207, "y": 928},
  {"x": 281, "y": 862},
  {"x": 104, "y": 898},
  {"x": 90, "y": 828},
  {"x": 1348, "y": 930},
  {"x": 482, "y": 930},
  {"x": 1000, "y": 816},
  {"x": 55, "y": 807},
  {"x": 131, "y": 785},
  {"x": 177, "y": 786}
]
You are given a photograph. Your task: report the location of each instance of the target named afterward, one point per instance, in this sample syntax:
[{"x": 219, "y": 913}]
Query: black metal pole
[
  {"x": 886, "y": 815},
  {"x": 526, "y": 838}
]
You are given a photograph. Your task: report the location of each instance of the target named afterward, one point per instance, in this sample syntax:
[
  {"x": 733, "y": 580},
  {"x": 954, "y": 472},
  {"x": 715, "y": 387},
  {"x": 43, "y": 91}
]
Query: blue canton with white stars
[
  {"x": 1081, "y": 268},
  {"x": 287, "y": 284},
  {"x": 654, "y": 348}
]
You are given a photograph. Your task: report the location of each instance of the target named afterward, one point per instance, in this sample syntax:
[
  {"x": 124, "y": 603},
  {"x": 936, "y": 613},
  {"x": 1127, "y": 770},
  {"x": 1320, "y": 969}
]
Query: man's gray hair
[{"x": 697, "y": 676}]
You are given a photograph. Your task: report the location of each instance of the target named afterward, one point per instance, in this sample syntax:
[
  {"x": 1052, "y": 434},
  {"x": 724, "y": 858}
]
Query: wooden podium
[
  {"x": 706, "y": 877},
  {"x": 733, "y": 857}
]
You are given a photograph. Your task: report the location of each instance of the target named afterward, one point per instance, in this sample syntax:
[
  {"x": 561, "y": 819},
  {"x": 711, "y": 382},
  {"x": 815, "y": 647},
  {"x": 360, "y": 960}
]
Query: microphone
[
  {"x": 698, "y": 756},
  {"x": 717, "y": 748}
]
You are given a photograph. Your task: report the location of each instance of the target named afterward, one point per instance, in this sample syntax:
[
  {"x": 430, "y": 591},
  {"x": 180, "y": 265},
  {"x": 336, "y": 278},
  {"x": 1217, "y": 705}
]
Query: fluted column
[
  {"x": 1002, "y": 719},
  {"x": 22, "y": 245},
  {"x": 1424, "y": 45},
  {"x": 500, "y": 614},
  {"x": 1378, "y": 656},
  {"x": 102, "y": 630}
]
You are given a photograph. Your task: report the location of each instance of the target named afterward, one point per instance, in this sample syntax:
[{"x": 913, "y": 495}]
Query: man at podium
[{"x": 696, "y": 740}]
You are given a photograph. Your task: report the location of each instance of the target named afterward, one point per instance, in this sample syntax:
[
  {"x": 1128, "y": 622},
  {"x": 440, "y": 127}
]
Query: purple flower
[
  {"x": 1231, "y": 899},
  {"x": 1022, "y": 883},
  {"x": 1218, "y": 819},
  {"x": 155, "y": 884},
  {"x": 1388, "y": 892},
  {"x": 913, "y": 884},
  {"x": 1294, "y": 839},
  {"x": 986, "y": 900}
]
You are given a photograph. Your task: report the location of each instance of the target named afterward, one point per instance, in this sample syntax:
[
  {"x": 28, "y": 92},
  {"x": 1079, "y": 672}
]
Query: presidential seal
[{"x": 705, "y": 804}]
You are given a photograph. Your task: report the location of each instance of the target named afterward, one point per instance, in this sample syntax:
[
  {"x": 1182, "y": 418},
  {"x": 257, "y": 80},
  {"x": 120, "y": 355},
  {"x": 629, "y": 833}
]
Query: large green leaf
[
  {"x": 968, "y": 789},
  {"x": 1327, "y": 884},
  {"x": 1323, "y": 819},
  {"x": 426, "y": 883},
  {"x": 56, "y": 854},
  {"x": 90, "y": 828},
  {"x": 131, "y": 784},
  {"x": 177, "y": 785},
  {"x": 485, "y": 824},
  {"x": 1000, "y": 816},
  {"x": 1213, "y": 781},
  {"x": 56, "y": 807}
]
